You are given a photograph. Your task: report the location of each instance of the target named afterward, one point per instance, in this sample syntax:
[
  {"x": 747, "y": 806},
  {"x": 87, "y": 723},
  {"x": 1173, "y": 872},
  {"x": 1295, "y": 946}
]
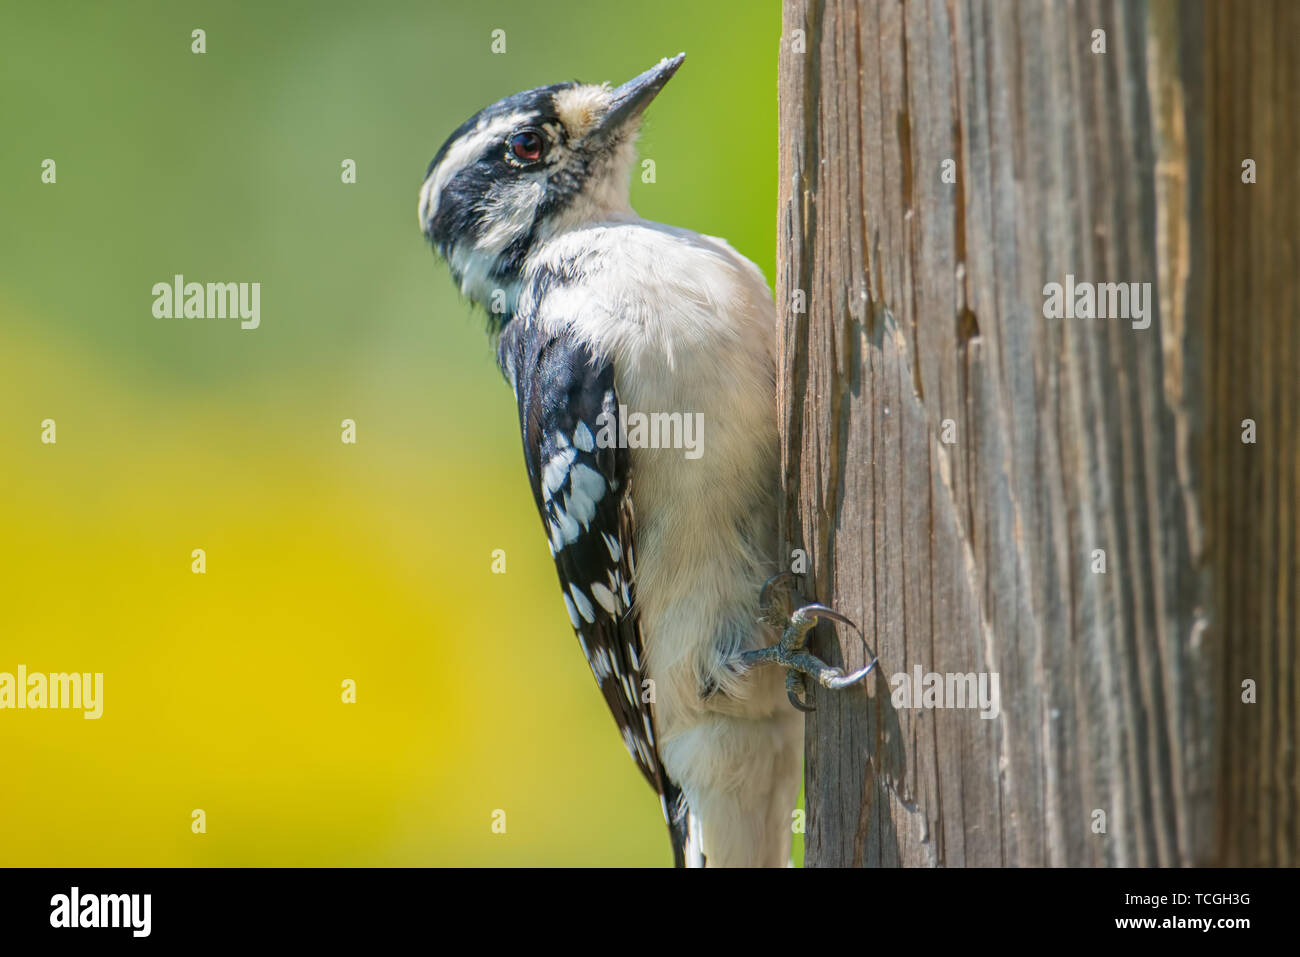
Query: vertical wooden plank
[{"x": 952, "y": 458}]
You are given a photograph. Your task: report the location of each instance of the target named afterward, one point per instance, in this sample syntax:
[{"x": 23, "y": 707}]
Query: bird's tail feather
[{"x": 683, "y": 829}]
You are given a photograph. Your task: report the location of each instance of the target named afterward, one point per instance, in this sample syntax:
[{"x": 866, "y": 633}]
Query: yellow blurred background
[{"x": 325, "y": 561}]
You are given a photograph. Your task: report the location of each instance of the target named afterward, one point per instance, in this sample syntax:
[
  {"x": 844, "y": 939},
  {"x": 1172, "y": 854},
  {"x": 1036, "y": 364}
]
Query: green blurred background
[{"x": 325, "y": 561}]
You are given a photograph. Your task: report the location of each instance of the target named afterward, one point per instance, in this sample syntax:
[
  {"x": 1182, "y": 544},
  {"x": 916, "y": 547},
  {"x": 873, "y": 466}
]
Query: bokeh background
[{"x": 325, "y": 561}]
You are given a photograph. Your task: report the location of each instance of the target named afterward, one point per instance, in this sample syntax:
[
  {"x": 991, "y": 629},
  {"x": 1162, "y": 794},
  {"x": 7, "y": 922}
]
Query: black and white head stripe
[
  {"x": 581, "y": 491},
  {"x": 515, "y": 173},
  {"x": 476, "y": 206},
  {"x": 475, "y": 142},
  {"x": 481, "y": 206}
]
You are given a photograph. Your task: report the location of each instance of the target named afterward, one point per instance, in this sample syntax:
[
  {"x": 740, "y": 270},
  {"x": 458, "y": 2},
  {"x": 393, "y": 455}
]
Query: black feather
[{"x": 561, "y": 389}]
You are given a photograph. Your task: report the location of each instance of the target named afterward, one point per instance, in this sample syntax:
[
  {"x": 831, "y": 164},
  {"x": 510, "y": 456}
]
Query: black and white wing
[{"x": 566, "y": 397}]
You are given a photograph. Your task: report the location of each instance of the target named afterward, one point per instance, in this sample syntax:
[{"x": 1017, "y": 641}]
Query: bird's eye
[{"x": 526, "y": 145}]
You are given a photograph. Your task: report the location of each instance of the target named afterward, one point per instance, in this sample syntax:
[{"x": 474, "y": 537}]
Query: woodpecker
[{"x": 598, "y": 314}]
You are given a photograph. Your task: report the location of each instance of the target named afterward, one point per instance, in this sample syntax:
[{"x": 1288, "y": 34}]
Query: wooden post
[{"x": 958, "y": 466}]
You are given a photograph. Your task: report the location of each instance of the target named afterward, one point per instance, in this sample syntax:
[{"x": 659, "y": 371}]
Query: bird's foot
[{"x": 790, "y": 652}]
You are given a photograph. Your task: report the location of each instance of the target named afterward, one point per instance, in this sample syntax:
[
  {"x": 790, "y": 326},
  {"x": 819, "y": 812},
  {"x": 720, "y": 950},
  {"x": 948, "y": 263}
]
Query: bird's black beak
[{"x": 631, "y": 99}]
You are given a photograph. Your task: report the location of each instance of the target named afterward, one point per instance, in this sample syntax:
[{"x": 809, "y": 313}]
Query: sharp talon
[
  {"x": 816, "y": 611},
  {"x": 790, "y": 654},
  {"x": 835, "y": 684},
  {"x": 795, "y": 689}
]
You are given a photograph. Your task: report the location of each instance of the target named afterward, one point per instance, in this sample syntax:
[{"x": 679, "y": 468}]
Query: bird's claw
[{"x": 790, "y": 653}]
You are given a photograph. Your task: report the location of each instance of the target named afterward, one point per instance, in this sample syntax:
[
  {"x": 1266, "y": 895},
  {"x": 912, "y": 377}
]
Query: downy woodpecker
[{"x": 596, "y": 314}]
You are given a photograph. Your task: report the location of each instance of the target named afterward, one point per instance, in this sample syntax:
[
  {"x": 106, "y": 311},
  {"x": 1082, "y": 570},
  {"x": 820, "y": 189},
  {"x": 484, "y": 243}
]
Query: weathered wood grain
[{"x": 1120, "y": 692}]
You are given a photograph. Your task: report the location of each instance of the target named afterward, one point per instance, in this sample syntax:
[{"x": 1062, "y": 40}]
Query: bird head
[{"x": 528, "y": 167}]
